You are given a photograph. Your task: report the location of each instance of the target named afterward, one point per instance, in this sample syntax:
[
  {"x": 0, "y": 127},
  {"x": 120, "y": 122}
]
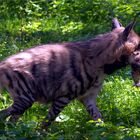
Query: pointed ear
[
  {"x": 128, "y": 29},
  {"x": 116, "y": 23}
]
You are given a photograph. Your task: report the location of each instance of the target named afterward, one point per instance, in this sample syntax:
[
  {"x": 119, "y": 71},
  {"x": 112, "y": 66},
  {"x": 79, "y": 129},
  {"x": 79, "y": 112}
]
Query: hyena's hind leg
[
  {"x": 16, "y": 109},
  {"x": 19, "y": 107},
  {"x": 56, "y": 107},
  {"x": 22, "y": 90}
]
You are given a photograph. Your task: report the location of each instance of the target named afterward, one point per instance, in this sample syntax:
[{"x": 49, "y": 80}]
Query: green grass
[{"x": 119, "y": 101}]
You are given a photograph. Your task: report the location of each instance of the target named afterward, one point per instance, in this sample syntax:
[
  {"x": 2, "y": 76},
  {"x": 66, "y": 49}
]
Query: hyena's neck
[{"x": 118, "y": 64}]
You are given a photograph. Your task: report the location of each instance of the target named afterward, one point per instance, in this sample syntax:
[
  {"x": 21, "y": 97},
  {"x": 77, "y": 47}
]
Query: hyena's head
[
  {"x": 127, "y": 40},
  {"x": 131, "y": 48}
]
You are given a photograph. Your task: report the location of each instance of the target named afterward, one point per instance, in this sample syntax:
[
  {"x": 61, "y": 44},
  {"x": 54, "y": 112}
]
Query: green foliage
[{"x": 25, "y": 23}]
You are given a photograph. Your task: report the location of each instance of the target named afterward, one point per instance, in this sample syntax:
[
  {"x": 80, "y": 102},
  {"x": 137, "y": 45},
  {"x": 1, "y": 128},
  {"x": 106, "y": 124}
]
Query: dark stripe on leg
[
  {"x": 20, "y": 106},
  {"x": 40, "y": 92},
  {"x": 24, "y": 81},
  {"x": 89, "y": 77},
  {"x": 10, "y": 80},
  {"x": 62, "y": 102},
  {"x": 25, "y": 93},
  {"x": 55, "y": 110}
]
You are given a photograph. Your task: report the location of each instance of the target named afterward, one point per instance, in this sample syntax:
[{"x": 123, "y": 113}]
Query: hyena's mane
[{"x": 98, "y": 47}]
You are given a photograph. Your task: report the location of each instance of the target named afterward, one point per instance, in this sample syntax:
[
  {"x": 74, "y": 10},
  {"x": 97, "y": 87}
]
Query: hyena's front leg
[
  {"x": 55, "y": 109},
  {"x": 89, "y": 102}
]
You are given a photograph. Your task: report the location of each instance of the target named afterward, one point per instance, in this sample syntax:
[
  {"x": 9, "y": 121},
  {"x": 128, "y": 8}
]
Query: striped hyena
[{"x": 59, "y": 73}]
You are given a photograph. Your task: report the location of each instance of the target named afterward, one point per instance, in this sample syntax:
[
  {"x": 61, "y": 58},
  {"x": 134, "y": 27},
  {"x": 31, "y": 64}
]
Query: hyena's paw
[
  {"x": 96, "y": 115},
  {"x": 97, "y": 118},
  {"x": 14, "y": 118},
  {"x": 45, "y": 125}
]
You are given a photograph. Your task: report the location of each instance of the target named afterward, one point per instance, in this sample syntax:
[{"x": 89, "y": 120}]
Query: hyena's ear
[
  {"x": 116, "y": 24},
  {"x": 128, "y": 29}
]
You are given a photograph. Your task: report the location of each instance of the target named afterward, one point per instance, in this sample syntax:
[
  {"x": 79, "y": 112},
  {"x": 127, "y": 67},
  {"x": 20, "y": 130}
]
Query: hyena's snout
[{"x": 134, "y": 60}]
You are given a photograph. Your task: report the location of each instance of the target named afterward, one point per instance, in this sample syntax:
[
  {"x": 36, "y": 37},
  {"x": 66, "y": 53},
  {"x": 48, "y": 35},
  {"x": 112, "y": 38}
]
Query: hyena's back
[
  {"x": 43, "y": 73},
  {"x": 57, "y": 69}
]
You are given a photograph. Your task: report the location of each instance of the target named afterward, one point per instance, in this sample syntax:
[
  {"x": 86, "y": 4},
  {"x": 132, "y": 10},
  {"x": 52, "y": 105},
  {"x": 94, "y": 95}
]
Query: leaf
[{"x": 62, "y": 118}]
